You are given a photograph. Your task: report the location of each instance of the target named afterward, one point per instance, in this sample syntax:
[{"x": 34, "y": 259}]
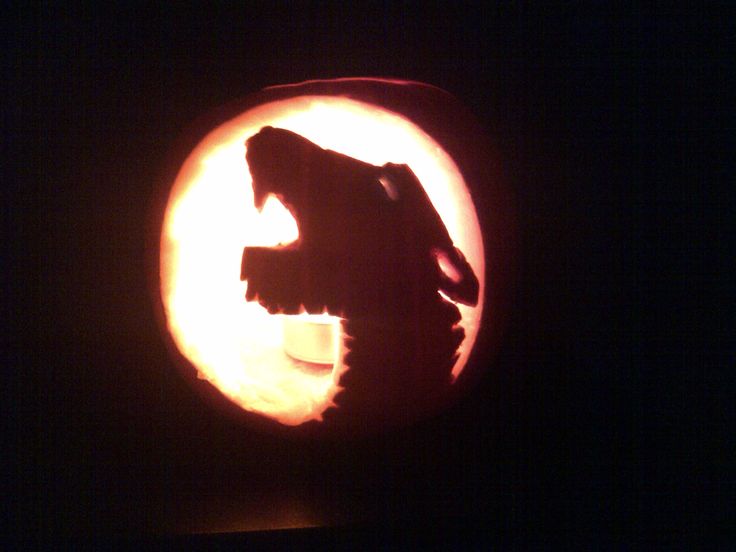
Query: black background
[{"x": 601, "y": 416}]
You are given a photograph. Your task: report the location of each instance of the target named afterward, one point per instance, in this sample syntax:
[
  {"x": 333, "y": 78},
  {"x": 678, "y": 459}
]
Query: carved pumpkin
[{"x": 322, "y": 261}]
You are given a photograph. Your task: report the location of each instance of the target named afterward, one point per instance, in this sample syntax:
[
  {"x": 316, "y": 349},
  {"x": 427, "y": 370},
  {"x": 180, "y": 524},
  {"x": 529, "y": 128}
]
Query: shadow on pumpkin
[{"x": 370, "y": 251}]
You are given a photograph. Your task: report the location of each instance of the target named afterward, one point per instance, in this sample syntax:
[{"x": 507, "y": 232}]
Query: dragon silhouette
[{"x": 370, "y": 250}]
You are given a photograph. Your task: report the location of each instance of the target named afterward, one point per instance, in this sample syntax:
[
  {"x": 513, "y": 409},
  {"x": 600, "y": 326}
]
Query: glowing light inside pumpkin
[{"x": 237, "y": 345}]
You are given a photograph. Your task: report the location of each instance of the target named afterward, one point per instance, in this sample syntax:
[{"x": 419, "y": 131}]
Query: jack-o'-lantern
[{"x": 322, "y": 262}]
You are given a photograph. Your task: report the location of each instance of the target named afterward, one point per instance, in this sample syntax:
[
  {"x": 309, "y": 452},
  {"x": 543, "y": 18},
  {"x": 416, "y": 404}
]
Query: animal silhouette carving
[{"x": 369, "y": 251}]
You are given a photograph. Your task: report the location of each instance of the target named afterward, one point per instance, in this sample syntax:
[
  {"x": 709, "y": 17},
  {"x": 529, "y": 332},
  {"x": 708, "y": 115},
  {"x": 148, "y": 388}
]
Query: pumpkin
[{"x": 321, "y": 261}]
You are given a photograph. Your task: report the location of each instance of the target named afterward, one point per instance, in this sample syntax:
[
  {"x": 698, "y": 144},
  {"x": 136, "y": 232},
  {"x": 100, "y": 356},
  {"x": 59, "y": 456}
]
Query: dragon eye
[{"x": 389, "y": 187}]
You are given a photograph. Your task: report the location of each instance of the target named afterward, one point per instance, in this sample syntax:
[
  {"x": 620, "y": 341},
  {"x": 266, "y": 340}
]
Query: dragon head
[{"x": 359, "y": 224}]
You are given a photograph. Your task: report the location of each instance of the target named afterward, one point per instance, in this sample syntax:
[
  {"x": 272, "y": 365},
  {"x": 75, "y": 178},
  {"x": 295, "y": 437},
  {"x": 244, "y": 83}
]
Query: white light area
[{"x": 238, "y": 345}]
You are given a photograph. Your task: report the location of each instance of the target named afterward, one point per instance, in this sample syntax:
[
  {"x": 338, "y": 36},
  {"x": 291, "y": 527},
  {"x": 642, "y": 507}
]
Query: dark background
[{"x": 602, "y": 415}]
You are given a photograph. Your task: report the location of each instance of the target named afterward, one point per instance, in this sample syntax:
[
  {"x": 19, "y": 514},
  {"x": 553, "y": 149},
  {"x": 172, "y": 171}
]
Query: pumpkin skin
[{"x": 380, "y": 394}]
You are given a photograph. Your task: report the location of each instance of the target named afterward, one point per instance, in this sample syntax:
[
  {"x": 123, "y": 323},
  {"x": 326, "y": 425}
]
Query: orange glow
[{"x": 237, "y": 345}]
